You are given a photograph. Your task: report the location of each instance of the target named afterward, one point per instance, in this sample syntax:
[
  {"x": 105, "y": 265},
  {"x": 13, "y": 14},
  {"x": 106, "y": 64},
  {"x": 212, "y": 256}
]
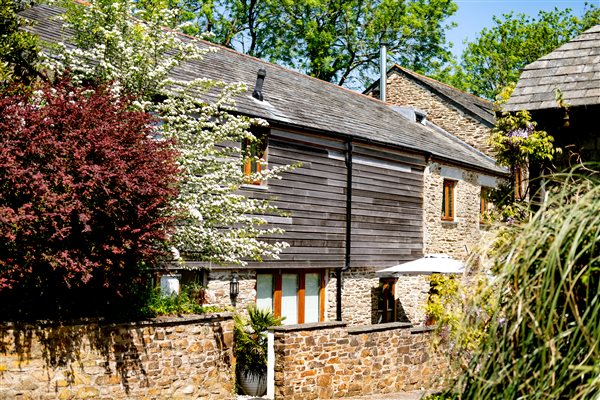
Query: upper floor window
[
  {"x": 255, "y": 156},
  {"x": 448, "y": 200}
]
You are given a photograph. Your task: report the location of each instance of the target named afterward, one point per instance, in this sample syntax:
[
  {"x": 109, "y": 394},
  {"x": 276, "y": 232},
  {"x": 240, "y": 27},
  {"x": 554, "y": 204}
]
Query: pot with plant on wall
[{"x": 250, "y": 349}]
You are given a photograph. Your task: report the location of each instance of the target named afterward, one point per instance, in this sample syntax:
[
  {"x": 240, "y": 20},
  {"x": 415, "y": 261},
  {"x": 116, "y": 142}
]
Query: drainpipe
[
  {"x": 349, "y": 150},
  {"x": 382, "y": 72}
]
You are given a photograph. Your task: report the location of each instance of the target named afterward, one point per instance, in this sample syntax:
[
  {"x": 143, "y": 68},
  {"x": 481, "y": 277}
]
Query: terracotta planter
[{"x": 253, "y": 385}]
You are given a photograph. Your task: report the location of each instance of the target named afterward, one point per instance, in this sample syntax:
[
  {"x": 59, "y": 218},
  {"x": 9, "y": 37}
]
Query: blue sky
[{"x": 474, "y": 15}]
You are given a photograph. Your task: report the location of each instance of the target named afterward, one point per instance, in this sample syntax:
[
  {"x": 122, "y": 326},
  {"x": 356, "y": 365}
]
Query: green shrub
[
  {"x": 543, "y": 342},
  {"x": 250, "y": 337},
  {"x": 159, "y": 304}
]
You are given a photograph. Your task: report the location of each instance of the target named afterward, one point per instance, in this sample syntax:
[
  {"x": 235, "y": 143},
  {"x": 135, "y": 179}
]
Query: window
[
  {"x": 448, "y": 200},
  {"x": 297, "y": 296},
  {"x": 484, "y": 203},
  {"x": 255, "y": 156}
]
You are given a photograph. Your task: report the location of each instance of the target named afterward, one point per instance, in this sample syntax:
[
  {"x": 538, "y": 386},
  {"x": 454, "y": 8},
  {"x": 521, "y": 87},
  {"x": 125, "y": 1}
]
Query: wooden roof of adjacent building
[
  {"x": 573, "y": 68},
  {"x": 474, "y": 106},
  {"x": 297, "y": 101}
]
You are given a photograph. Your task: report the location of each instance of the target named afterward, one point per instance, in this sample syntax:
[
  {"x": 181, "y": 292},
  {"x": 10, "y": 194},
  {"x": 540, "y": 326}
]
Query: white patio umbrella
[{"x": 429, "y": 264}]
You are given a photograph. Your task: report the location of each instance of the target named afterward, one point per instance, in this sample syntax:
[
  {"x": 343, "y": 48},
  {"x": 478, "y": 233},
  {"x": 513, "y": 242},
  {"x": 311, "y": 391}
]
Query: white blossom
[{"x": 132, "y": 48}]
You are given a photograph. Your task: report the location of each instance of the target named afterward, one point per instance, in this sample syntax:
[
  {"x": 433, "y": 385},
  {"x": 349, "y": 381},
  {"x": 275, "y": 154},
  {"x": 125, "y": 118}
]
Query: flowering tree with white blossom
[{"x": 136, "y": 49}]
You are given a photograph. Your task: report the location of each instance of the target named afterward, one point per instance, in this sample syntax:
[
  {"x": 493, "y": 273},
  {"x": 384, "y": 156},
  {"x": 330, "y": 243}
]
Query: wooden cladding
[{"x": 387, "y": 203}]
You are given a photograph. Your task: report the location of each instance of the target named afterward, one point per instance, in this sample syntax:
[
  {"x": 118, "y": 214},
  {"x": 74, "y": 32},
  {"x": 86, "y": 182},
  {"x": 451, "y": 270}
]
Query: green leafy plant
[
  {"x": 186, "y": 302},
  {"x": 543, "y": 340},
  {"x": 461, "y": 308},
  {"x": 18, "y": 49},
  {"x": 515, "y": 139},
  {"x": 250, "y": 337}
]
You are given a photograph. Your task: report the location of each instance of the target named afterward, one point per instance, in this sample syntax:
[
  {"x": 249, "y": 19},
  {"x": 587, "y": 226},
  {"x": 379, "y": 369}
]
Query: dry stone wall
[
  {"x": 330, "y": 360},
  {"x": 176, "y": 358},
  {"x": 403, "y": 91}
]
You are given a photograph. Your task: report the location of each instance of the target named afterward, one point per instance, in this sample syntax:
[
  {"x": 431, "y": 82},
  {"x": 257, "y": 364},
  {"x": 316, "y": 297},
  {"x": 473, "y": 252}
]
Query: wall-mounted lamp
[{"x": 234, "y": 289}]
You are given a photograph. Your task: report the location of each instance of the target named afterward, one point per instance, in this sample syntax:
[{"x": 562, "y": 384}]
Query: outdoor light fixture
[{"x": 234, "y": 288}]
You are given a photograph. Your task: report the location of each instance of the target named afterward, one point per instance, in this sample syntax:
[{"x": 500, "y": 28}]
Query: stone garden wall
[
  {"x": 330, "y": 360},
  {"x": 167, "y": 358}
]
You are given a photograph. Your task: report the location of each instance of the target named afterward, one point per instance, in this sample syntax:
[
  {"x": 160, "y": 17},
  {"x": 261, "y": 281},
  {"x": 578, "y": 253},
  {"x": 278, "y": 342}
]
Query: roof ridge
[
  {"x": 440, "y": 82},
  {"x": 223, "y": 47}
]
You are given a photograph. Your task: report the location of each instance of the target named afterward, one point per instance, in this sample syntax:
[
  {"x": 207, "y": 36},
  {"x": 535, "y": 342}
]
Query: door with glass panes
[{"x": 296, "y": 295}]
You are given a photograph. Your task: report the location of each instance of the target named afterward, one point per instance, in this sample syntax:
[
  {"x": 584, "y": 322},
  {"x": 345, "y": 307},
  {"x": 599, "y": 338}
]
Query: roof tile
[
  {"x": 574, "y": 67},
  {"x": 296, "y": 100}
]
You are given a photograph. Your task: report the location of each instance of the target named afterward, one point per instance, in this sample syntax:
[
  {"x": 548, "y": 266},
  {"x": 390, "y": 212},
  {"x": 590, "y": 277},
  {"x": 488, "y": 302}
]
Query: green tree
[
  {"x": 496, "y": 58},
  {"x": 334, "y": 40},
  {"x": 18, "y": 49}
]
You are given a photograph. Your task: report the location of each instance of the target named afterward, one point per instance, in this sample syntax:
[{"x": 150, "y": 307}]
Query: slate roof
[
  {"x": 574, "y": 68},
  {"x": 475, "y": 106},
  {"x": 295, "y": 100}
]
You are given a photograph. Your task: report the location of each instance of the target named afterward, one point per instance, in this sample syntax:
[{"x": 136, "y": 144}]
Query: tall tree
[
  {"x": 496, "y": 58},
  {"x": 334, "y": 40}
]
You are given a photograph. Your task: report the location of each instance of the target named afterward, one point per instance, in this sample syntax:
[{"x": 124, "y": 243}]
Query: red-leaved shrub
[{"x": 85, "y": 188}]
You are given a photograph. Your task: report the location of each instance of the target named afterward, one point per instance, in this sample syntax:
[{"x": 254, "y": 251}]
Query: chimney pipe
[
  {"x": 260, "y": 79},
  {"x": 382, "y": 72}
]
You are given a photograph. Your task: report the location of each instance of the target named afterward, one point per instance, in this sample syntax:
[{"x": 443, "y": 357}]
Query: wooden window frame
[
  {"x": 484, "y": 203},
  {"x": 277, "y": 279},
  {"x": 388, "y": 286},
  {"x": 448, "y": 200},
  {"x": 255, "y": 159}
]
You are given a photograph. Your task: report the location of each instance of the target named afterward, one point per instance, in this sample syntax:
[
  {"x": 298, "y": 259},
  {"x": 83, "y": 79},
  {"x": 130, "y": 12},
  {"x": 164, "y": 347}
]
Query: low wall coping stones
[
  {"x": 378, "y": 327},
  {"x": 308, "y": 327},
  {"x": 422, "y": 329},
  {"x": 158, "y": 321}
]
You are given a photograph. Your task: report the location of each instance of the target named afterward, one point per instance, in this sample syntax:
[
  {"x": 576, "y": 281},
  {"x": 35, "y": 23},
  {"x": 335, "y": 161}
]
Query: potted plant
[{"x": 250, "y": 349}]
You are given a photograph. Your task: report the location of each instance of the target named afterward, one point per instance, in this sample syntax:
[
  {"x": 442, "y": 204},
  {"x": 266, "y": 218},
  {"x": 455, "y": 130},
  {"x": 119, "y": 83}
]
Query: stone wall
[
  {"x": 359, "y": 296},
  {"x": 403, "y": 91},
  {"x": 218, "y": 288},
  {"x": 330, "y": 360},
  {"x": 176, "y": 358},
  {"x": 412, "y": 292},
  {"x": 359, "y": 293},
  {"x": 453, "y": 238}
]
